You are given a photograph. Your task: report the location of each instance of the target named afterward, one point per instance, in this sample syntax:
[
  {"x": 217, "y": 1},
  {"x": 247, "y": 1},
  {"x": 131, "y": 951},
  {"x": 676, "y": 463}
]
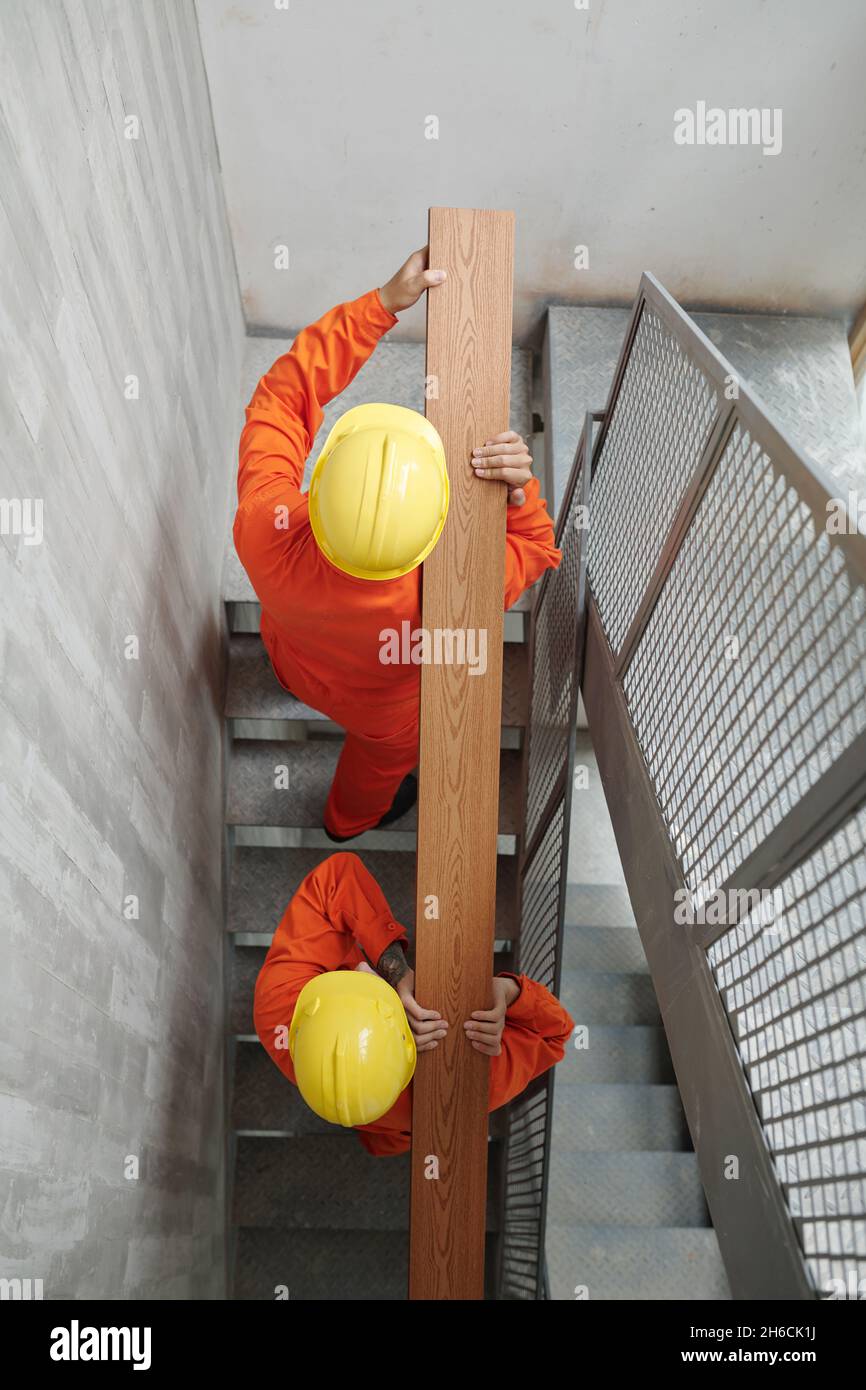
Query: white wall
[
  {"x": 115, "y": 261},
  {"x": 565, "y": 115}
]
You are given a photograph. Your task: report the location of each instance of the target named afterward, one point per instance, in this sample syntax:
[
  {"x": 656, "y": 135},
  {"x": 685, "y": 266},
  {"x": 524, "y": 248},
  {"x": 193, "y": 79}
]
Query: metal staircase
[
  {"x": 595, "y": 1189},
  {"x": 626, "y": 1214}
]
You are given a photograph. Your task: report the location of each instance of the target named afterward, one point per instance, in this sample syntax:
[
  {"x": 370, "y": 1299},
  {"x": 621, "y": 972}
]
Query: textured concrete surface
[
  {"x": 585, "y": 154},
  {"x": 115, "y": 263}
]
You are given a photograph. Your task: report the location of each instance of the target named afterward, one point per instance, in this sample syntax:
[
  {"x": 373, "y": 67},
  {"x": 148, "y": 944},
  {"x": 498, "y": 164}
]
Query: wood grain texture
[{"x": 468, "y": 358}]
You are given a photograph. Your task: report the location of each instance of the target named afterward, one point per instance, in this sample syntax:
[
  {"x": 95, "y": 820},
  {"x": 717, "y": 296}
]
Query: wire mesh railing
[
  {"x": 556, "y": 646},
  {"x": 725, "y": 685}
]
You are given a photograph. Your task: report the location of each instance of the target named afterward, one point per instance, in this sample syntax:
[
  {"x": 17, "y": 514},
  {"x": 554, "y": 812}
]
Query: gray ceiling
[{"x": 565, "y": 115}]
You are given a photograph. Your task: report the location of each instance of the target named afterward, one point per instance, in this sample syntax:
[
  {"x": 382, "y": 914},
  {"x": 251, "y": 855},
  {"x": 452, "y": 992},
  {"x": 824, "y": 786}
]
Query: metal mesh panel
[
  {"x": 748, "y": 680},
  {"x": 526, "y": 1157},
  {"x": 794, "y": 996},
  {"x": 539, "y": 926},
  {"x": 657, "y": 433},
  {"x": 554, "y": 669},
  {"x": 524, "y": 1185}
]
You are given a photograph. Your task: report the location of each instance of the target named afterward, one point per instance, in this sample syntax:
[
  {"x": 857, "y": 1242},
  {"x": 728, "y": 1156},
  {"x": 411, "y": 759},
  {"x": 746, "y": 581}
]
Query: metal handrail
[
  {"x": 721, "y": 987},
  {"x": 717, "y": 983},
  {"x": 548, "y": 775}
]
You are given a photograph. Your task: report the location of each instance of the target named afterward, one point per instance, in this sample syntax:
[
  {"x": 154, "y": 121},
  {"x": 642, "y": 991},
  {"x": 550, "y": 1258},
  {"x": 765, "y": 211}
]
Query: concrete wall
[
  {"x": 339, "y": 124},
  {"x": 115, "y": 263}
]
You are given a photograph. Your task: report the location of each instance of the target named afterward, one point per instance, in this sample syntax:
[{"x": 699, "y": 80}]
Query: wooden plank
[
  {"x": 857, "y": 344},
  {"x": 469, "y": 364}
]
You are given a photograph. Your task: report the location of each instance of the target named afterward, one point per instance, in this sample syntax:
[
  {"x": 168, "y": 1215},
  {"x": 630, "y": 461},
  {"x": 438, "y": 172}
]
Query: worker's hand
[
  {"x": 406, "y": 287},
  {"x": 428, "y": 1026},
  {"x": 486, "y": 1026},
  {"x": 507, "y": 458}
]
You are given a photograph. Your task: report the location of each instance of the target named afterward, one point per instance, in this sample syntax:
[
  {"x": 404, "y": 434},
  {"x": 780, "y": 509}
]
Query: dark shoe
[
  {"x": 407, "y": 795},
  {"x": 340, "y": 839},
  {"x": 404, "y": 799}
]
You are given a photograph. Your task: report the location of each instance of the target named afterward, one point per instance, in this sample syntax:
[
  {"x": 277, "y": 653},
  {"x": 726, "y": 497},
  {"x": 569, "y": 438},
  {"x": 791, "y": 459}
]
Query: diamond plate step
[
  {"x": 609, "y": 949},
  {"x": 603, "y": 1118},
  {"x": 255, "y": 693},
  {"x": 327, "y": 1265},
  {"x": 599, "y": 996},
  {"x": 263, "y": 1100},
  {"x": 322, "y": 1265},
  {"x": 625, "y": 1189},
  {"x": 263, "y": 881},
  {"x": 617, "y": 1053},
  {"x": 321, "y": 1182},
  {"x": 254, "y": 800},
  {"x": 598, "y": 904},
  {"x": 623, "y": 1262}
]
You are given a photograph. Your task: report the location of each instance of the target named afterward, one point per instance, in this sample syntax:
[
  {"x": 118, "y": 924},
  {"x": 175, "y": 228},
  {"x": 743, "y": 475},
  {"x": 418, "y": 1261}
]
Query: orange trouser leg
[
  {"x": 368, "y": 774},
  {"x": 381, "y": 744}
]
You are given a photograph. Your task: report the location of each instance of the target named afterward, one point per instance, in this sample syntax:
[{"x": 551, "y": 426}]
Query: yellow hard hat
[
  {"x": 351, "y": 1045},
  {"x": 379, "y": 492}
]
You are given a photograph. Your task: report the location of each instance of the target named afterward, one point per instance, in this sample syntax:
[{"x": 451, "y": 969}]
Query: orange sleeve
[
  {"x": 338, "y": 907},
  {"x": 537, "y": 1029},
  {"x": 284, "y": 414},
  {"x": 529, "y": 547}
]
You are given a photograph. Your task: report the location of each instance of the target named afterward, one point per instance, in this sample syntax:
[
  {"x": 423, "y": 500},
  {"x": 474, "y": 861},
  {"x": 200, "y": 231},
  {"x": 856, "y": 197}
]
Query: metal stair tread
[
  {"x": 618, "y": 1053},
  {"x": 598, "y": 904},
  {"x": 253, "y": 691},
  {"x": 262, "y": 882},
  {"x": 601, "y": 1117},
  {"x": 253, "y": 800},
  {"x": 599, "y": 996},
  {"x": 630, "y": 1188},
  {"x": 325, "y": 1264},
  {"x": 265, "y": 1103},
  {"x": 607, "y": 949},
  {"x": 334, "y": 1183},
  {"x": 635, "y": 1263}
]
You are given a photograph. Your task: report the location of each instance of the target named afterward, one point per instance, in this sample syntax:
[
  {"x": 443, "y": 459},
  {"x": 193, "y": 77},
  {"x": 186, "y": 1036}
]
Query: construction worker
[
  {"x": 336, "y": 568},
  {"x": 335, "y": 1009}
]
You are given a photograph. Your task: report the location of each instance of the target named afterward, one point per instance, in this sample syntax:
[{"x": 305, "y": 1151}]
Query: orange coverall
[
  {"x": 340, "y": 917},
  {"x": 320, "y": 626}
]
